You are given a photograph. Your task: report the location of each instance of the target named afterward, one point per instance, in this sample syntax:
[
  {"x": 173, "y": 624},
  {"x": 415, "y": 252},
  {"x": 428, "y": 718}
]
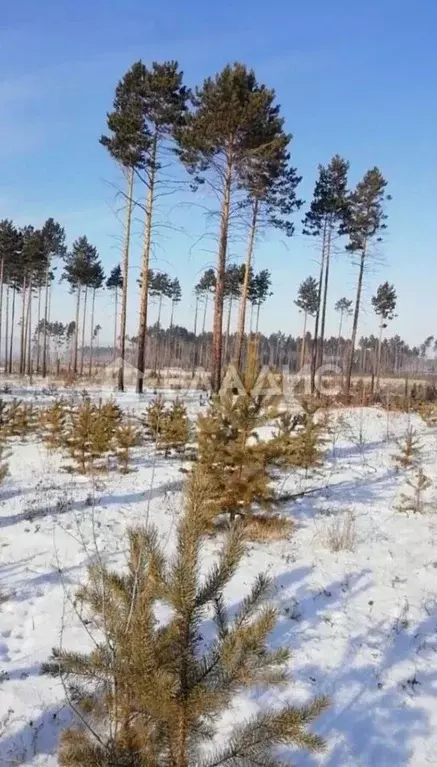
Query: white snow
[{"x": 362, "y": 624}]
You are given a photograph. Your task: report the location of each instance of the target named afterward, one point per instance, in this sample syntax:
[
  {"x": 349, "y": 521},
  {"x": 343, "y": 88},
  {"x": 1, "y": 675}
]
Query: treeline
[
  {"x": 179, "y": 347},
  {"x": 224, "y": 142},
  {"x": 229, "y": 134}
]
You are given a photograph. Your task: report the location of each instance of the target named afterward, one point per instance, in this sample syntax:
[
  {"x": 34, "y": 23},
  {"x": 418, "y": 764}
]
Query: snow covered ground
[{"x": 361, "y": 623}]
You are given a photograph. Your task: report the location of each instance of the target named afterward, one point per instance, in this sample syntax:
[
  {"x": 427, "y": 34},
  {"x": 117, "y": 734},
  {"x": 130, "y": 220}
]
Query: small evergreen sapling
[
  {"x": 20, "y": 419},
  {"x": 309, "y": 442},
  {"x": 53, "y": 422},
  {"x": 102, "y": 434},
  {"x": 150, "y": 693},
  {"x": 282, "y": 446},
  {"x": 409, "y": 451},
  {"x": 111, "y": 413},
  {"x": 155, "y": 415},
  {"x": 126, "y": 437},
  {"x": 232, "y": 456},
  {"x": 79, "y": 437},
  {"x": 174, "y": 428},
  {"x": 415, "y": 501}
]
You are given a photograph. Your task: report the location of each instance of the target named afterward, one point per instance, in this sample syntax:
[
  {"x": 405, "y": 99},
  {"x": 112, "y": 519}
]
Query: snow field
[{"x": 361, "y": 622}]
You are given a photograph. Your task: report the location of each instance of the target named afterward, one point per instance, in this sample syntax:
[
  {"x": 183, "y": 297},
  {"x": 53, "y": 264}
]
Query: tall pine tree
[
  {"x": 127, "y": 144},
  {"x": 115, "y": 283},
  {"x": 220, "y": 143},
  {"x": 164, "y": 100},
  {"x": 307, "y": 301},
  {"x": 324, "y": 220},
  {"x": 366, "y": 222},
  {"x": 384, "y": 305}
]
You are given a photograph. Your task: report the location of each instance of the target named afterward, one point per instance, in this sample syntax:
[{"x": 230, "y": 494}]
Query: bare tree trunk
[
  {"x": 228, "y": 330},
  {"x": 378, "y": 357},
  {"x": 158, "y": 328},
  {"x": 144, "y": 295},
  {"x": 339, "y": 337},
  {"x": 38, "y": 331},
  {"x": 325, "y": 294},
  {"x": 82, "y": 351},
  {"x": 125, "y": 270},
  {"x": 245, "y": 288},
  {"x": 6, "y": 330},
  {"x": 2, "y": 273},
  {"x": 251, "y": 319},
  {"x": 258, "y": 309},
  {"x": 46, "y": 319},
  {"x": 195, "y": 336},
  {"x": 76, "y": 332},
  {"x": 92, "y": 333},
  {"x": 115, "y": 322},
  {"x": 202, "y": 343},
  {"x": 29, "y": 333},
  {"x": 315, "y": 352},
  {"x": 220, "y": 282},
  {"x": 170, "y": 344},
  {"x": 27, "y": 329},
  {"x": 355, "y": 322},
  {"x": 304, "y": 338},
  {"x": 11, "y": 345},
  {"x": 23, "y": 310}
]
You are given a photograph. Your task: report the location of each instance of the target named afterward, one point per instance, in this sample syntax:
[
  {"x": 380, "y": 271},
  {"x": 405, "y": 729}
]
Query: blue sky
[{"x": 354, "y": 78}]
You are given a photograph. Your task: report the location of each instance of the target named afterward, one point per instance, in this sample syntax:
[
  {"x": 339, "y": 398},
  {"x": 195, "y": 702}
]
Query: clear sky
[{"x": 355, "y": 78}]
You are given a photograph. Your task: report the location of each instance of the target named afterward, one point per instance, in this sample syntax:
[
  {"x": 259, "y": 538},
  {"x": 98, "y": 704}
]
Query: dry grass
[
  {"x": 341, "y": 534},
  {"x": 257, "y": 528},
  {"x": 272, "y": 528}
]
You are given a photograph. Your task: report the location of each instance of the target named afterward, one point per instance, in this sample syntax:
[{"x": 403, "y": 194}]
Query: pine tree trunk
[
  {"x": 378, "y": 357},
  {"x": 2, "y": 273},
  {"x": 11, "y": 346},
  {"x": 6, "y": 331},
  {"x": 304, "y": 336},
  {"x": 325, "y": 295},
  {"x": 115, "y": 323},
  {"x": 23, "y": 311},
  {"x": 49, "y": 317},
  {"x": 220, "y": 281},
  {"x": 82, "y": 351},
  {"x": 315, "y": 353},
  {"x": 29, "y": 333},
  {"x": 38, "y": 331},
  {"x": 251, "y": 319},
  {"x": 27, "y": 330},
  {"x": 258, "y": 309},
  {"x": 125, "y": 270},
  {"x": 203, "y": 329},
  {"x": 158, "y": 328},
  {"x": 170, "y": 344},
  {"x": 355, "y": 322},
  {"x": 228, "y": 331},
  {"x": 245, "y": 288},
  {"x": 76, "y": 332},
  {"x": 339, "y": 337},
  {"x": 92, "y": 333},
  {"x": 144, "y": 295},
  {"x": 196, "y": 309},
  {"x": 46, "y": 315}
]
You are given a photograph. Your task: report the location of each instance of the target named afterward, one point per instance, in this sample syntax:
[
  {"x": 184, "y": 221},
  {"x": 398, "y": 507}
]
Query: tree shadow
[
  {"x": 36, "y": 737},
  {"x": 376, "y": 716},
  {"x": 365, "y": 489},
  {"x": 111, "y": 499}
]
